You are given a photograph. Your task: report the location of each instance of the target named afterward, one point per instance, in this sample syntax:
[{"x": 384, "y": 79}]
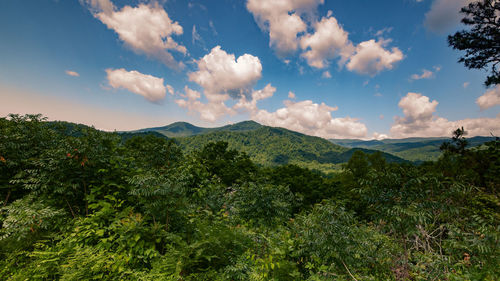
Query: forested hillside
[
  {"x": 277, "y": 146},
  {"x": 88, "y": 204},
  {"x": 183, "y": 129},
  {"x": 411, "y": 149}
]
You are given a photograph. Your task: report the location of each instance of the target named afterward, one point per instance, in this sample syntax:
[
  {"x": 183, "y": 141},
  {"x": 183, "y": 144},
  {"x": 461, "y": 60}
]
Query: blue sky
[{"x": 355, "y": 69}]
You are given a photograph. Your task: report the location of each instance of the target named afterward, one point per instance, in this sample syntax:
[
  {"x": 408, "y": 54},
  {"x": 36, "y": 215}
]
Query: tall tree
[{"x": 482, "y": 42}]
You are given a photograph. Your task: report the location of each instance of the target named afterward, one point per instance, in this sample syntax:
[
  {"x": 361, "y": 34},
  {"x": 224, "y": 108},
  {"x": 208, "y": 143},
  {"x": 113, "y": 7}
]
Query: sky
[{"x": 334, "y": 69}]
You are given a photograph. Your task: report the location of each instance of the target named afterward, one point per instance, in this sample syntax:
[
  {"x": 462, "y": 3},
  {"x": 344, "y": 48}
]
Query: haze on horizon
[{"x": 325, "y": 68}]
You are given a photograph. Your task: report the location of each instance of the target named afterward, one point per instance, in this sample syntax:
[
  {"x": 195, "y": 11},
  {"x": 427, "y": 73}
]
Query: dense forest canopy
[{"x": 78, "y": 203}]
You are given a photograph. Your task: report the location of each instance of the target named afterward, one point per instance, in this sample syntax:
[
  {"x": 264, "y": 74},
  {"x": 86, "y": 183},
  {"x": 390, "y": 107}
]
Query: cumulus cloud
[
  {"x": 489, "y": 99},
  {"x": 146, "y": 29},
  {"x": 250, "y": 105},
  {"x": 371, "y": 58},
  {"x": 210, "y": 111},
  {"x": 148, "y": 86},
  {"x": 221, "y": 74},
  {"x": 313, "y": 119},
  {"x": 328, "y": 41},
  {"x": 420, "y": 121},
  {"x": 379, "y": 136},
  {"x": 223, "y": 77},
  {"x": 72, "y": 73},
  {"x": 291, "y": 95},
  {"x": 289, "y": 21},
  {"x": 282, "y": 19},
  {"x": 444, "y": 14}
]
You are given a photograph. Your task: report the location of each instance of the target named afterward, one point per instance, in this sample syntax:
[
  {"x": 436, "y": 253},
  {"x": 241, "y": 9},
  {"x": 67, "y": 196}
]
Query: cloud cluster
[
  {"x": 210, "y": 111},
  {"x": 287, "y": 22},
  {"x": 222, "y": 77},
  {"x": 371, "y": 57},
  {"x": 420, "y": 121},
  {"x": 489, "y": 99},
  {"x": 313, "y": 119},
  {"x": 283, "y": 20},
  {"x": 328, "y": 41},
  {"x": 146, "y": 29},
  {"x": 148, "y": 86},
  {"x": 220, "y": 74},
  {"x": 250, "y": 105},
  {"x": 444, "y": 14}
]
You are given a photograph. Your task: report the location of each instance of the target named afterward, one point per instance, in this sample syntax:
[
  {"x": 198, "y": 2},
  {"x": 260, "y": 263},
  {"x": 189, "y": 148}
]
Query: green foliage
[
  {"x": 481, "y": 42},
  {"x": 227, "y": 164},
  {"x": 329, "y": 240},
  {"x": 83, "y": 204},
  {"x": 25, "y": 220},
  {"x": 261, "y": 203}
]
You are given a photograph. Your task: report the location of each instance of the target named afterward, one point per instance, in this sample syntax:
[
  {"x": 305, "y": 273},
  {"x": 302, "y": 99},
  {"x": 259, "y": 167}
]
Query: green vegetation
[
  {"x": 277, "y": 146},
  {"x": 82, "y": 204},
  {"x": 480, "y": 43},
  {"x": 412, "y": 149},
  {"x": 183, "y": 129}
]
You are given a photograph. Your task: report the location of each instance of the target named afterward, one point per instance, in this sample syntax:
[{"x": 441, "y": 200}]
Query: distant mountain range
[
  {"x": 412, "y": 149},
  {"x": 184, "y": 129},
  {"x": 275, "y": 146},
  {"x": 265, "y": 145}
]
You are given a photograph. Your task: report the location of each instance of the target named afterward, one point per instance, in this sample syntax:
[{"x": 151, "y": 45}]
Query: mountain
[
  {"x": 275, "y": 146},
  {"x": 265, "y": 145},
  {"x": 412, "y": 149},
  {"x": 184, "y": 129}
]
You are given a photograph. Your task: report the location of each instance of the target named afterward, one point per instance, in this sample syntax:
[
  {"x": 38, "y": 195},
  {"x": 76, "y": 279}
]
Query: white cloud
[
  {"x": 170, "y": 89},
  {"x": 282, "y": 19},
  {"x": 426, "y": 74},
  {"x": 328, "y": 41},
  {"x": 326, "y": 75},
  {"x": 251, "y": 105},
  {"x": 383, "y": 31},
  {"x": 444, "y": 14},
  {"x": 371, "y": 57},
  {"x": 490, "y": 98},
  {"x": 420, "y": 121},
  {"x": 148, "y": 86},
  {"x": 221, "y": 74},
  {"x": 223, "y": 77},
  {"x": 146, "y": 29},
  {"x": 291, "y": 95},
  {"x": 72, "y": 73},
  {"x": 196, "y": 36},
  {"x": 288, "y": 21},
  {"x": 313, "y": 119},
  {"x": 379, "y": 136},
  {"x": 210, "y": 111},
  {"x": 212, "y": 27}
]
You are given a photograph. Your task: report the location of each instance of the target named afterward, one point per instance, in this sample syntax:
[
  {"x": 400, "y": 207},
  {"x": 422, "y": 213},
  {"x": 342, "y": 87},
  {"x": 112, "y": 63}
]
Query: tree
[
  {"x": 482, "y": 42},
  {"x": 458, "y": 143}
]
